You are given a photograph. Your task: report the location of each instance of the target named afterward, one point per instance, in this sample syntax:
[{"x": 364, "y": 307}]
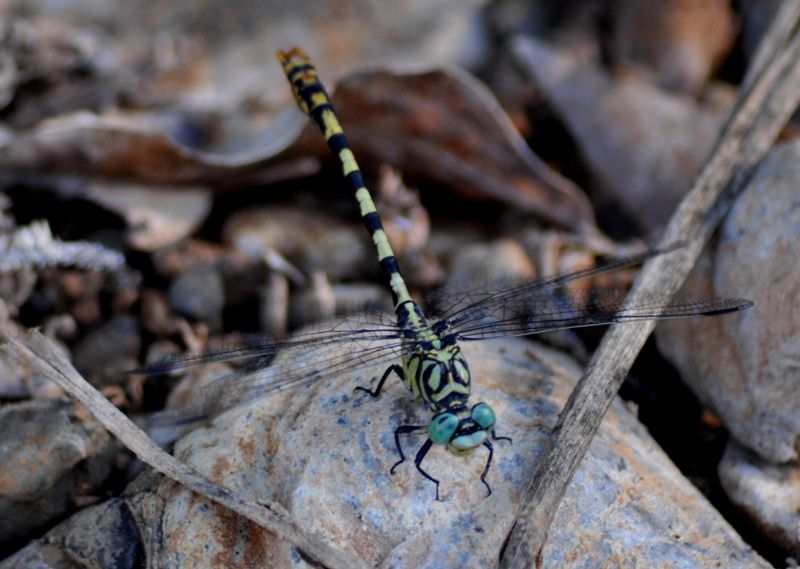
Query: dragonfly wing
[
  {"x": 365, "y": 327},
  {"x": 546, "y": 311},
  {"x": 479, "y": 302},
  {"x": 294, "y": 365}
]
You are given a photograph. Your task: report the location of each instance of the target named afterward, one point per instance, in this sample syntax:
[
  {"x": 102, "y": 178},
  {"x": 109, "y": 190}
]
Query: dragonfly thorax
[{"x": 438, "y": 373}]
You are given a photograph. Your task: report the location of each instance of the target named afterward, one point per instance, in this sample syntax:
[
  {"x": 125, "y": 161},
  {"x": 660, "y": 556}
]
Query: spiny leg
[
  {"x": 488, "y": 445},
  {"x": 423, "y": 450},
  {"x": 398, "y": 369},
  {"x": 404, "y": 430}
]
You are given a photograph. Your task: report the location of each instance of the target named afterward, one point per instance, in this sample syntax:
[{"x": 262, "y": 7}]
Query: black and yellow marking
[
  {"x": 314, "y": 101},
  {"x": 434, "y": 368}
]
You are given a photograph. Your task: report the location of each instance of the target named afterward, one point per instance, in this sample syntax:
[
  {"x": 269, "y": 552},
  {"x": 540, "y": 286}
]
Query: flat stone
[{"x": 324, "y": 453}]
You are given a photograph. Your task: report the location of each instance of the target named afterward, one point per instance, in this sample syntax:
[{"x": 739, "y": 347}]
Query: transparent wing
[
  {"x": 300, "y": 360},
  {"x": 365, "y": 327},
  {"x": 536, "y": 311},
  {"x": 481, "y": 304}
]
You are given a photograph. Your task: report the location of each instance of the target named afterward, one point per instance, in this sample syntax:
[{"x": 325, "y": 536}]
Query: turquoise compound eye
[
  {"x": 483, "y": 415},
  {"x": 442, "y": 427}
]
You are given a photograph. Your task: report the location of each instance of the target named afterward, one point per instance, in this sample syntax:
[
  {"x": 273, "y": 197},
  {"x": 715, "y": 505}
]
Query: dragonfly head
[{"x": 462, "y": 428}]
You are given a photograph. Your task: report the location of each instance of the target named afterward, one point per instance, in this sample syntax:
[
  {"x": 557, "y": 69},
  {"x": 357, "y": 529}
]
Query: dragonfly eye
[
  {"x": 442, "y": 427},
  {"x": 483, "y": 415}
]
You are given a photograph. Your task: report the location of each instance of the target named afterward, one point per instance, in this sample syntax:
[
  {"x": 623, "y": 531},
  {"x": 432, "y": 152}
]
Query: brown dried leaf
[
  {"x": 443, "y": 126},
  {"x": 130, "y": 146},
  {"x": 439, "y": 126}
]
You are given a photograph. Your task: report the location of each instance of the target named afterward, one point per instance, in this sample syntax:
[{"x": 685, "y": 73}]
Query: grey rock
[
  {"x": 361, "y": 297},
  {"x": 745, "y": 366},
  {"x": 110, "y": 350},
  {"x": 12, "y": 379},
  {"x": 315, "y": 240},
  {"x": 39, "y": 555},
  {"x": 499, "y": 261},
  {"x": 100, "y": 537},
  {"x": 51, "y": 452},
  {"x": 643, "y": 144},
  {"x": 768, "y": 493},
  {"x": 324, "y": 453},
  {"x": 199, "y": 293}
]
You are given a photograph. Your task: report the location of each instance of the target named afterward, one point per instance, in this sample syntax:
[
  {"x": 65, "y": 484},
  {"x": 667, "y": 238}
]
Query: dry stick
[
  {"x": 42, "y": 354},
  {"x": 770, "y": 96}
]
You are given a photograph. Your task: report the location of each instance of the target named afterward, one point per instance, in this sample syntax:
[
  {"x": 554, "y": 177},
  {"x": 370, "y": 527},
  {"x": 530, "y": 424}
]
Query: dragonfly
[{"x": 425, "y": 351}]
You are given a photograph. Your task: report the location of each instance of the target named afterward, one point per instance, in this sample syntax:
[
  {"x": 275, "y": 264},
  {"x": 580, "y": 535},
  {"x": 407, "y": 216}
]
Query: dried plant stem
[
  {"x": 768, "y": 97},
  {"x": 45, "y": 357}
]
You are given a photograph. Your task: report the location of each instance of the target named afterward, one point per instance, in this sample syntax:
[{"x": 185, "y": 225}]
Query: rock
[
  {"x": 680, "y": 42},
  {"x": 744, "y": 366},
  {"x": 157, "y": 216},
  {"x": 103, "y": 536},
  {"x": 643, "y": 144},
  {"x": 502, "y": 260},
  {"x": 175, "y": 260},
  {"x": 312, "y": 239},
  {"x": 324, "y": 453},
  {"x": 17, "y": 379},
  {"x": 361, "y": 297},
  {"x": 199, "y": 294},
  {"x": 12, "y": 379},
  {"x": 768, "y": 493},
  {"x": 109, "y": 351},
  {"x": 479, "y": 268},
  {"x": 314, "y": 303},
  {"x": 51, "y": 452}
]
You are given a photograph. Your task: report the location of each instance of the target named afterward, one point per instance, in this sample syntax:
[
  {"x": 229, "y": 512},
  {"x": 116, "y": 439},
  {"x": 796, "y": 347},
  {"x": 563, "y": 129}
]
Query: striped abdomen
[{"x": 314, "y": 100}]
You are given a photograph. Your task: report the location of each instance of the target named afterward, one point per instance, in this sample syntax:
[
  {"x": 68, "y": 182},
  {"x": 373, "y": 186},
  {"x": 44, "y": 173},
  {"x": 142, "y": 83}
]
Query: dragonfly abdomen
[{"x": 314, "y": 100}]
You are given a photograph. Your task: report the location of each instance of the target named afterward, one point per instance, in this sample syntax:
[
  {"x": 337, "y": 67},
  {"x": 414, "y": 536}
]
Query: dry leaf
[{"x": 444, "y": 127}]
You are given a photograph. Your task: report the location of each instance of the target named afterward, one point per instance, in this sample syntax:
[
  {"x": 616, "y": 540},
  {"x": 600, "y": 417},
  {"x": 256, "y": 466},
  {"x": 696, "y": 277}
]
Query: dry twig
[
  {"x": 769, "y": 95},
  {"x": 47, "y": 359}
]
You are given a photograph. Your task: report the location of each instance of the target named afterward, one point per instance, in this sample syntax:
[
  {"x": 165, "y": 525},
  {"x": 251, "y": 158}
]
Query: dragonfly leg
[
  {"x": 496, "y": 438},
  {"x": 398, "y": 369},
  {"x": 404, "y": 430},
  {"x": 488, "y": 445},
  {"x": 423, "y": 450}
]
